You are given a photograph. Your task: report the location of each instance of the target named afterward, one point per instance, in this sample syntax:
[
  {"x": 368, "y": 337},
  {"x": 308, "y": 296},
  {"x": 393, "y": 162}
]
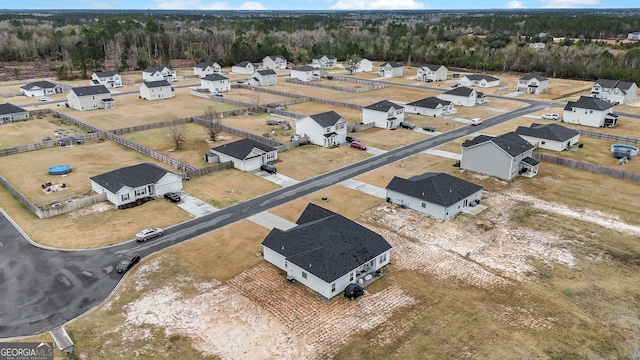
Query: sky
[{"x": 313, "y": 4}]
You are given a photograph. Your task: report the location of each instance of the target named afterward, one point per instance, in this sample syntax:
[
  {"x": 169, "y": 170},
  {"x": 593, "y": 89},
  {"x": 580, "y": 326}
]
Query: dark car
[
  {"x": 358, "y": 145},
  {"x": 353, "y": 291},
  {"x": 274, "y": 122},
  {"x": 46, "y": 138},
  {"x": 407, "y": 125},
  {"x": 351, "y": 138},
  {"x": 79, "y": 140},
  {"x": 430, "y": 128},
  {"x": 125, "y": 265},
  {"x": 173, "y": 197},
  {"x": 269, "y": 168}
]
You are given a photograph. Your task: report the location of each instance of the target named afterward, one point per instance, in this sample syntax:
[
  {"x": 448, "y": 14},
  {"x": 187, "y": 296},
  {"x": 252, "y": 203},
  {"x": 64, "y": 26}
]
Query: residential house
[
  {"x": 128, "y": 184},
  {"x": 590, "y": 111},
  {"x": 274, "y": 62},
  {"x": 439, "y": 195},
  {"x": 324, "y": 61},
  {"x": 263, "y": 78},
  {"x": 156, "y": 90},
  {"x": 384, "y": 114},
  {"x": 537, "y": 45},
  {"x": 532, "y": 84},
  {"x": 110, "y": 79},
  {"x": 156, "y": 73},
  {"x": 246, "y": 154},
  {"x": 634, "y": 35},
  {"x": 390, "y": 69},
  {"x": 463, "y": 96},
  {"x": 244, "y": 67},
  {"x": 549, "y": 136},
  {"x": 505, "y": 156},
  {"x": 215, "y": 83},
  {"x": 615, "y": 91},
  {"x": 364, "y": 65},
  {"x": 326, "y": 251},
  {"x": 479, "y": 80},
  {"x": 305, "y": 73},
  {"x": 40, "y": 88},
  {"x": 90, "y": 98},
  {"x": 206, "y": 68},
  {"x": 431, "y": 106},
  {"x": 10, "y": 113},
  {"x": 430, "y": 72},
  {"x": 326, "y": 129}
]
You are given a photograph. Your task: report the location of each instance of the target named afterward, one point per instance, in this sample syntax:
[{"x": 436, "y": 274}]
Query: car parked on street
[
  {"x": 42, "y": 98},
  {"x": 551, "y": 116},
  {"x": 476, "y": 121},
  {"x": 429, "y": 128},
  {"x": 172, "y": 196},
  {"x": 125, "y": 265},
  {"x": 407, "y": 125},
  {"x": 149, "y": 233},
  {"x": 271, "y": 169},
  {"x": 358, "y": 145}
]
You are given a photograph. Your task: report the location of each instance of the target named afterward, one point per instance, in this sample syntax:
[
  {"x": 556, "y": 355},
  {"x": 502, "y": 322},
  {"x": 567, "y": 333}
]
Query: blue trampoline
[{"x": 60, "y": 170}]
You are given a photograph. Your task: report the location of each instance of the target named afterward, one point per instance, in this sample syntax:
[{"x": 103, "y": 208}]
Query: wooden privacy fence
[
  {"x": 157, "y": 125},
  {"x": 611, "y": 137},
  {"x": 238, "y": 132},
  {"x": 370, "y": 87},
  {"x": 269, "y": 91},
  {"x": 286, "y": 114},
  {"x": 359, "y": 127},
  {"x": 587, "y": 167}
]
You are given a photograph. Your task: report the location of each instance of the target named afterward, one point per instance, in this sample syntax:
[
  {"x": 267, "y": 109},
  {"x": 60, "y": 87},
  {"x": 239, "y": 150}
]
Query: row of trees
[{"x": 78, "y": 43}]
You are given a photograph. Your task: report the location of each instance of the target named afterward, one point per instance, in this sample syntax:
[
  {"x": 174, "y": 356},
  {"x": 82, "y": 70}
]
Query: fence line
[
  {"x": 376, "y": 85},
  {"x": 360, "y": 127},
  {"x": 269, "y": 91},
  {"x": 12, "y": 94},
  {"x": 23, "y": 199},
  {"x": 373, "y": 86},
  {"x": 336, "y": 103},
  {"x": 587, "y": 167},
  {"x": 238, "y": 132},
  {"x": 151, "y": 126},
  {"x": 616, "y": 138}
]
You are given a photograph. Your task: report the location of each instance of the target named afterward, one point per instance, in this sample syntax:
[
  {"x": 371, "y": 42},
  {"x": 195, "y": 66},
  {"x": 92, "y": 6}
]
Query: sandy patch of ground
[{"x": 257, "y": 315}]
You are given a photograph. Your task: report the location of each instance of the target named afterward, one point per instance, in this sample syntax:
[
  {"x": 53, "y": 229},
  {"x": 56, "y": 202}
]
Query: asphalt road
[{"x": 41, "y": 289}]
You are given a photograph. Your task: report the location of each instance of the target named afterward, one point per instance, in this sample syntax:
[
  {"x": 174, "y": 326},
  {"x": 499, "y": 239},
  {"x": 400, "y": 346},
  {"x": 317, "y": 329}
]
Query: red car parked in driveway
[{"x": 358, "y": 145}]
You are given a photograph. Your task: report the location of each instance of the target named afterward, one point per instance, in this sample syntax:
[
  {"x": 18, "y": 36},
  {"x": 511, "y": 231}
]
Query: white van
[{"x": 476, "y": 121}]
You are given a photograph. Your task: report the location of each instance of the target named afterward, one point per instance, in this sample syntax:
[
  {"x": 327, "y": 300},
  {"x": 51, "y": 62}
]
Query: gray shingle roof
[
  {"x": 326, "y": 119},
  {"x": 156, "y": 68},
  {"x": 384, "y": 106},
  {"x": 607, "y": 84},
  {"x": 588, "y": 102},
  {"x": 102, "y": 74},
  {"x": 276, "y": 57},
  {"x": 6, "y": 109},
  {"x": 243, "y": 63},
  {"x": 430, "y": 102},
  {"x": 510, "y": 142},
  {"x": 131, "y": 176},
  {"x": 534, "y": 76},
  {"x": 90, "y": 90},
  {"x": 393, "y": 64},
  {"x": 267, "y": 72},
  {"x": 215, "y": 77},
  {"x": 318, "y": 57},
  {"x": 242, "y": 148},
  {"x": 156, "y": 84},
  {"x": 478, "y": 77},
  {"x": 460, "y": 91},
  {"x": 432, "y": 67},
  {"x": 531, "y": 161},
  {"x": 305, "y": 68},
  {"x": 326, "y": 244},
  {"x": 40, "y": 84},
  {"x": 204, "y": 65},
  {"x": 552, "y": 132},
  {"x": 436, "y": 188}
]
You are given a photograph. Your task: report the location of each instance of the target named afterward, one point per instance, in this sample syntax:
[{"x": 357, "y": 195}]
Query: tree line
[{"x": 78, "y": 42}]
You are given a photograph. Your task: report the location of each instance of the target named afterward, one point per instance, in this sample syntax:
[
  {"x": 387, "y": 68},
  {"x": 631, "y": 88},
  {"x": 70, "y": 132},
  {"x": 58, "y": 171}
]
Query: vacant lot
[
  {"x": 33, "y": 130},
  {"x": 296, "y": 162}
]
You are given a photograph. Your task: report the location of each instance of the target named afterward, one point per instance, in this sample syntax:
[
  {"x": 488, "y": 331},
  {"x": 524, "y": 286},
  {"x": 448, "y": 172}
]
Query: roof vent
[{"x": 282, "y": 247}]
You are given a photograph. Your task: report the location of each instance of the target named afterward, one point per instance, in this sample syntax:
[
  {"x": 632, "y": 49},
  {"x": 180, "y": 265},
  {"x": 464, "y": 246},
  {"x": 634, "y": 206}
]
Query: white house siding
[
  {"x": 460, "y": 100},
  {"x": 216, "y": 86},
  {"x": 89, "y": 102},
  {"x": 311, "y": 129},
  {"x": 156, "y": 93},
  {"x": 381, "y": 118},
  {"x": 431, "y": 209},
  {"x": 169, "y": 75},
  {"x": 550, "y": 144},
  {"x": 206, "y": 71},
  {"x": 524, "y": 86},
  {"x": 168, "y": 183},
  {"x": 304, "y": 75},
  {"x": 586, "y": 117},
  {"x": 364, "y": 65},
  {"x": 246, "y": 70},
  {"x": 110, "y": 82},
  {"x": 487, "y": 158},
  {"x": 389, "y": 71},
  {"x": 438, "y": 111},
  {"x": 425, "y": 73},
  {"x": 14, "y": 117},
  {"x": 278, "y": 64}
]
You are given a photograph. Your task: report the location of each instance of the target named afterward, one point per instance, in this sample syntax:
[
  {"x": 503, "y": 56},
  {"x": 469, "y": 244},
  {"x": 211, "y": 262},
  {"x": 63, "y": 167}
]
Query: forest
[{"x": 579, "y": 44}]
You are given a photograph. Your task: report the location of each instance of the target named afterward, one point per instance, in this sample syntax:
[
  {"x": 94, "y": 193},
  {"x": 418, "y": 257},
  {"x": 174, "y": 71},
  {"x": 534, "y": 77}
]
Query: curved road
[{"x": 41, "y": 289}]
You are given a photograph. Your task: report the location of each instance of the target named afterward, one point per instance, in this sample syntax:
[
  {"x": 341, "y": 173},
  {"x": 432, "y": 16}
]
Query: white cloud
[
  {"x": 555, "y": 4},
  {"x": 515, "y": 4},
  {"x": 377, "y": 5},
  {"x": 204, "y": 5}
]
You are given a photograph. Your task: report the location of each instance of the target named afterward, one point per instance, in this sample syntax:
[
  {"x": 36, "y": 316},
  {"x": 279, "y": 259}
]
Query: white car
[
  {"x": 551, "y": 117},
  {"x": 476, "y": 121},
  {"x": 42, "y": 98},
  {"x": 149, "y": 233}
]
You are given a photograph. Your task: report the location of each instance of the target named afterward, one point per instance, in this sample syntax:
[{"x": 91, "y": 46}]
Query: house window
[
  {"x": 424, "y": 205},
  {"x": 286, "y": 263},
  {"x": 124, "y": 197},
  {"x": 340, "y": 126},
  {"x": 327, "y": 129},
  {"x": 383, "y": 258},
  {"x": 333, "y": 287},
  {"x": 139, "y": 192},
  {"x": 304, "y": 275},
  {"x": 351, "y": 277}
]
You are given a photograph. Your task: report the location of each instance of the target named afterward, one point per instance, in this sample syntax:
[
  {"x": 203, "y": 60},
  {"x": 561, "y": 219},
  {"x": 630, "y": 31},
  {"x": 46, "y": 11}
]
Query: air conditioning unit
[
  {"x": 360, "y": 281},
  {"x": 368, "y": 277}
]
